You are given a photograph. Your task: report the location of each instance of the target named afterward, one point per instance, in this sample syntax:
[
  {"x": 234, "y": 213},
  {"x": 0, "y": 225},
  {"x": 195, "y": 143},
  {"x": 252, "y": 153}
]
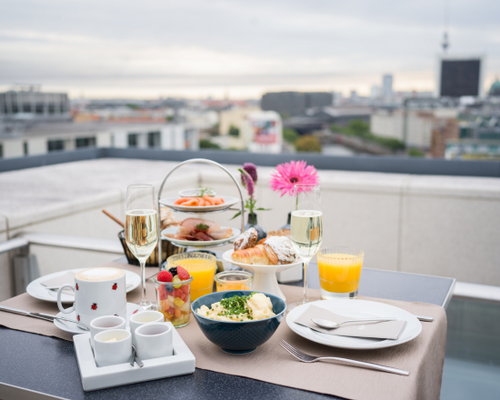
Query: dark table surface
[{"x": 40, "y": 367}]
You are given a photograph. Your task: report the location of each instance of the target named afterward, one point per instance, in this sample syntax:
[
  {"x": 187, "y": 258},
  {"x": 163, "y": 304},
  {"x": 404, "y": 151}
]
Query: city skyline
[{"x": 235, "y": 49}]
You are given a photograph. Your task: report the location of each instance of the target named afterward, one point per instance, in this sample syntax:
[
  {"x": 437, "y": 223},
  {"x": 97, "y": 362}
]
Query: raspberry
[
  {"x": 182, "y": 273},
  {"x": 164, "y": 276}
]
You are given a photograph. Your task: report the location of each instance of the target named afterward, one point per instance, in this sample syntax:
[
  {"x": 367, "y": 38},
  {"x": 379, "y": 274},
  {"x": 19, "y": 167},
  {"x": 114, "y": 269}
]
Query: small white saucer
[{"x": 72, "y": 328}]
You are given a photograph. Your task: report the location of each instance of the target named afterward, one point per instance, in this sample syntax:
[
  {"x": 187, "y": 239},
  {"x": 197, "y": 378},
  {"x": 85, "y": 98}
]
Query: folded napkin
[
  {"x": 373, "y": 330},
  {"x": 67, "y": 279}
]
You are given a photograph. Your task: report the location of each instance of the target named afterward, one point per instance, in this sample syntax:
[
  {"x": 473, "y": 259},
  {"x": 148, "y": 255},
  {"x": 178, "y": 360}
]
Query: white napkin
[{"x": 373, "y": 330}]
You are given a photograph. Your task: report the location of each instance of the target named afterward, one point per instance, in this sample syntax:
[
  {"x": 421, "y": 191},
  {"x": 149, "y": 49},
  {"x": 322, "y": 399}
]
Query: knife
[
  {"x": 424, "y": 318},
  {"x": 45, "y": 317}
]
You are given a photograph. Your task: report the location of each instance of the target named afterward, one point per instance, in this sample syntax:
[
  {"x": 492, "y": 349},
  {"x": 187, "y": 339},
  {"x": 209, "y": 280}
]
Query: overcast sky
[{"x": 196, "y": 48}]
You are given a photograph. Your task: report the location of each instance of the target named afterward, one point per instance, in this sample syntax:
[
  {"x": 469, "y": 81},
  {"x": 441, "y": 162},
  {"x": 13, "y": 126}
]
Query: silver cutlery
[
  {"x": 310, "y": 359},
  {"x": 136, "y": 357},
  {"x": 132, "y": 356},
  {"x": 46, "y": 317},
  {"x": 324, "y": 323},
  {"x": 424, "y": 318}
]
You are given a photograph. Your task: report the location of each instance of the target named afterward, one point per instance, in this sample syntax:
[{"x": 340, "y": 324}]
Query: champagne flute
[
  {"x": 306, "y": 227},
  {"x": 141, "y": 228}
]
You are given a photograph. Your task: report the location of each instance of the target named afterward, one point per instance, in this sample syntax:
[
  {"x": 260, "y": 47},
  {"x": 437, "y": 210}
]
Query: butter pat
[{"x": 112, "y": 340}]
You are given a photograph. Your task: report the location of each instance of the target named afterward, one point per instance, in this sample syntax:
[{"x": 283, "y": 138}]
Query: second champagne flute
[
  {"x": 141, "y": 229},
  {"x": 306, "y": 227}
]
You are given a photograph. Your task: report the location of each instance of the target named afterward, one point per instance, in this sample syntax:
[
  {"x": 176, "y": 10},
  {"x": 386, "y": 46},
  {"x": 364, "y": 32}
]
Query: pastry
[
  {"x": 281, "y": 232},
  {"x": 253, "y": 255},
  {"x": 279, "y": 250},
  {"x": 246, "y": 240}
]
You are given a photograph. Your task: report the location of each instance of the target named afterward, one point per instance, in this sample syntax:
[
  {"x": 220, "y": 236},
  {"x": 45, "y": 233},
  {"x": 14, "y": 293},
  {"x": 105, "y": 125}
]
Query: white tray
[{"x": 94, "y": 377}]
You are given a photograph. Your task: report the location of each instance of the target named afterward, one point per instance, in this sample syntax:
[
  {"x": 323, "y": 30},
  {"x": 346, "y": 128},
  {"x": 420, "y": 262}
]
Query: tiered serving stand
[
  {"x": 197, "y": 211},
  {"x": 264, "y": 275}
]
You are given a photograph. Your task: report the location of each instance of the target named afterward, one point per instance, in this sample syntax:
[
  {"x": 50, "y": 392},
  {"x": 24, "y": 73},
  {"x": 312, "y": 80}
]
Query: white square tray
[{"x": 94, "y": 377}]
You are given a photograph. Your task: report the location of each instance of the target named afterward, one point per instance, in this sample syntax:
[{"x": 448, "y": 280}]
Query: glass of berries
[{"x": 173, "y": 295}]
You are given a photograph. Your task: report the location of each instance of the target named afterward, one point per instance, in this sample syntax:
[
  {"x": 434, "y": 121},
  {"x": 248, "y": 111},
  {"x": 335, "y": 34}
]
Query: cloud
[{"x": 259, "y": 44}]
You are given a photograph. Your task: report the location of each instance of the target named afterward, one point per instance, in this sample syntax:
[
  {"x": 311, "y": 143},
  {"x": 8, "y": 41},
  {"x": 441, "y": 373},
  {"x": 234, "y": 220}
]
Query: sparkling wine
[
  {"x": 307, "y": 231},
  {"x": 141, "y": 232}
]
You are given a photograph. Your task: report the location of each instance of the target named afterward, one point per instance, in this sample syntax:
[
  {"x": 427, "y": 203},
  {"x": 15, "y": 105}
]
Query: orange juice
[
  {"x": 202, "y": 271},
  {"x": 339, "y": 272},
  {"x": 233, "y": 280},
  {"x": 240, "y": 286}
]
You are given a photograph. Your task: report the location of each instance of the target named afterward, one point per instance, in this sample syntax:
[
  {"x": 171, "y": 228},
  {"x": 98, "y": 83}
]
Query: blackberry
[{"x": 173, "y": 271}]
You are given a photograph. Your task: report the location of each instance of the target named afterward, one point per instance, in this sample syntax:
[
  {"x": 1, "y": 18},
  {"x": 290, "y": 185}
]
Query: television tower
[{"x": 445, "y": 43}]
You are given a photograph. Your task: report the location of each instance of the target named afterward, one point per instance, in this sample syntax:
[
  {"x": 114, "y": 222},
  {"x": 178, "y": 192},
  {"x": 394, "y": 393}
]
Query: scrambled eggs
[{"x": 239, "y": 308}]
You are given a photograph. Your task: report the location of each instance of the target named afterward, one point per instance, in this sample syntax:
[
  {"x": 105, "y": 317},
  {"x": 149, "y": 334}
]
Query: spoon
[{"x": 324, "y": 323}]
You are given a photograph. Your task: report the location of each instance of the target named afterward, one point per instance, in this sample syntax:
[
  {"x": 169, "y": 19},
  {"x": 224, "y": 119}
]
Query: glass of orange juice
[
  {"x": 233, "y": 280},
  {"x": 201, "y": 266},
  {"x": 339, "y": 271}
]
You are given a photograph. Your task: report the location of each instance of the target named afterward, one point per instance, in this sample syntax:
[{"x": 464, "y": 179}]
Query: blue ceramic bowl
[{"x": 238, "y": 337}]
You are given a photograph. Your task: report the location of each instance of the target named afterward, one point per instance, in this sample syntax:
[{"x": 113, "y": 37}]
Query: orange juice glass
[
  {"x": 339, "y": 271},
  {"x": 233, "y": 280},
  {"x": 201, "y": 266}
]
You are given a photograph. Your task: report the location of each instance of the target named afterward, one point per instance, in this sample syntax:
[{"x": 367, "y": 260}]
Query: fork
[{"x": 310, "y": 359}]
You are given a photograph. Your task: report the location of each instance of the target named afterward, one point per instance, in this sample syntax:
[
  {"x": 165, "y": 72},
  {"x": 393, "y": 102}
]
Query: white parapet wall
[{"x": 436, "y": 225}]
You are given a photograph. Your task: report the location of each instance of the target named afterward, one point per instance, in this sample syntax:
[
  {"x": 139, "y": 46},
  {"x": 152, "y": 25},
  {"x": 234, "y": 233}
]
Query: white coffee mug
[
  {"x": 105, "y": 323},
  {"x": 144, "y": 317},
  {"x": 154, "y": 340},
  {"x": 98, "y": 292},
  {"x": 112, "y": 347}
]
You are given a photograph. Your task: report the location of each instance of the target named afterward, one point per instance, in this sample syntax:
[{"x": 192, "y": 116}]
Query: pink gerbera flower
[{"x": 288, "y": 175}]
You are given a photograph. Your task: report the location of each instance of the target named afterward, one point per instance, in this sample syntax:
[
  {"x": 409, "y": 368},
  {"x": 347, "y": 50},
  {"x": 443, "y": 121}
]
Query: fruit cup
[{"x": 174, "y": 300}]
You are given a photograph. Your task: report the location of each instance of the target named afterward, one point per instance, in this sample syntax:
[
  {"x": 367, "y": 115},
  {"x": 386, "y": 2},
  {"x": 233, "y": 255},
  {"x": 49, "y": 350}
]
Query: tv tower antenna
[{"x": 445, "y": 44}]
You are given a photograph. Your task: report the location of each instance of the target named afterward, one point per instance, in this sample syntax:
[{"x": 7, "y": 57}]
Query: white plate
[
  {"x": 189, "y": 243},
  {"x": 259, "y": 268},
  {"x": 38, "y": 291},
  {"x": 72, "y": 328},
  {"x": 357, "y": 309},
  {"x": 228, "y": 202}
]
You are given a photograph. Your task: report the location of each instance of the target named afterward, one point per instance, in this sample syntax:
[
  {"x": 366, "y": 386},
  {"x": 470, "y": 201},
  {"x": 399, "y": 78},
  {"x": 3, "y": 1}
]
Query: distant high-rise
[
  {"x": 29, "y": 103},
  {"x": 460, "y": 76},
  {"x": 289, "y": 104},
  {"x": 387, "y": 86},
  {"x": 375, "y": 91}
]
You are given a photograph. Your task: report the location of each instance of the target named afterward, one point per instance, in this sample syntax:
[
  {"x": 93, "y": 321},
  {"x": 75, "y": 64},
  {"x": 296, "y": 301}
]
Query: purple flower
[
  {"x": 247, "y": 182},
  {"x": 251, "y": 169}
]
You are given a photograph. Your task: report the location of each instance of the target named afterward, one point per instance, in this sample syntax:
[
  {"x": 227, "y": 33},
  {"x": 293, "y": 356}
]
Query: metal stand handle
[{"x": 200, "y": 161}]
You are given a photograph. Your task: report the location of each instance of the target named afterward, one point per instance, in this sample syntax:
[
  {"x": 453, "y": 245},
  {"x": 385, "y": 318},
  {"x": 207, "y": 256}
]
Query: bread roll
[{"x": 253, "y": 255}]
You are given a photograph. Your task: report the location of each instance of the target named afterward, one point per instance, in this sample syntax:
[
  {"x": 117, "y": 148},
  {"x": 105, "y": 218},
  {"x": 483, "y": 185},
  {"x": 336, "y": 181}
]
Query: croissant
[{"x": 253, "y": 255}]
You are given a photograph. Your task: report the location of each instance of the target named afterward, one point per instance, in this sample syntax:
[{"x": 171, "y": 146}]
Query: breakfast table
[{"x": 38, "y": 361}]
